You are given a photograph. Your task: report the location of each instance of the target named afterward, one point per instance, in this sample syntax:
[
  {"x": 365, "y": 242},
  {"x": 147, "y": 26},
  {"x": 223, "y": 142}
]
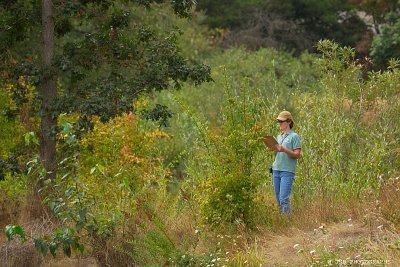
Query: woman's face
[{"x": 283, "y": 125}]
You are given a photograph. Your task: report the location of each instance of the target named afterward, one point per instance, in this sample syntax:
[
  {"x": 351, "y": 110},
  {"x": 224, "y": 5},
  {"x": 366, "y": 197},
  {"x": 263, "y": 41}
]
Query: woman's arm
[{"x": 293, "y": 154}]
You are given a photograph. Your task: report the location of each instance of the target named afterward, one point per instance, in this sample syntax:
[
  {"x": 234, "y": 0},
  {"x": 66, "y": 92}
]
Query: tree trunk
[{"x": 48, "y": 93}]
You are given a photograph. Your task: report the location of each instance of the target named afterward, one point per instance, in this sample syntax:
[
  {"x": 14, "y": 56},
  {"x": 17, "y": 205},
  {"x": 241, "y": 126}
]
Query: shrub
[{"x": 221, "y": 169}]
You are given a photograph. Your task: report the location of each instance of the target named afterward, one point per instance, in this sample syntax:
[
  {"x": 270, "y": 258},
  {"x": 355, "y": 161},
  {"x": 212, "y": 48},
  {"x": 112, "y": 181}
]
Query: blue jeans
[{"x": 283, "y": 186}]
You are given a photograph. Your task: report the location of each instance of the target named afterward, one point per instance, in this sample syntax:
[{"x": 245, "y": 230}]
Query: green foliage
[
  {"x": 161, "y": 247},
  {"x": 13, "y": 189},
  {"x": 377, "y": 9},
  {"x": 124, "y": 148},
  {"x": 10, "y": 129},
  {"x": 221, "y": 167},
  {"x": 11, "y": 134},
  {"x": 96, "y": 189},
  {"x": 347, "y": 129},
  {"x": 158, "y": 113},
  {"x": 63, "y": 238},
  {"x": 227, "y": 14},
  {"x": 181, "y": 7},
  {"x": 387, "y": 44},
  {"x": 30, "y": 138},
  {"x": 211, "y": 162},
  {"x": 313, "y": 20},
  {"x": 194, "y": 40},
  {"x": 15, "y": 23},
  {"x": 13, "y": 230},
  {"x": 271, "y": 74},
  {"x": 105, "y": 55},
  {"x": 327, "y": 20},
  {"x": 345, "y": 123},
  {"x": 104, "y": 58}
]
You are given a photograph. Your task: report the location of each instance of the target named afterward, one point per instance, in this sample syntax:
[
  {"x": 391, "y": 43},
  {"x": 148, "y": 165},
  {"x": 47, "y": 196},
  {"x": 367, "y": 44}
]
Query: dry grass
[
  {"x": 17, "y": 253},
  {"x": 325, "y": 210},
  {"x": 71, "y": 262},
  {"x": 389, "y": 201},
  {"x": 24, "y": 254},
  {"x": 317, "y": 231}
]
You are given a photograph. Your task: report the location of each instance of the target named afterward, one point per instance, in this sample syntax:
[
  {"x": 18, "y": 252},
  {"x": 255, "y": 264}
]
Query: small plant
[{"x": 64, "y": 238}]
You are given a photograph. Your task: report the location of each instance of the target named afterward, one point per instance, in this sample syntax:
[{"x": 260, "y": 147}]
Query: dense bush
[
  {"x": 111, "y": 166},
  {"x": 221, "y": 171}
]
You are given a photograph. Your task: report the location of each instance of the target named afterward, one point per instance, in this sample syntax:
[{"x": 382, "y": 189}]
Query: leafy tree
[
  {"x": 326, "y": 19},
  {"x": 387, "y": 44},
  {"x": 227, "y": 13},
  {"x": 93, "y": 59},
  {"x": 377, "y": 9},
  {"x": 291, "y": 24}
]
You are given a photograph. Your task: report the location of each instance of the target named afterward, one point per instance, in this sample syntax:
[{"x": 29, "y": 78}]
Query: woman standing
[{"x": 288, "y": 150}]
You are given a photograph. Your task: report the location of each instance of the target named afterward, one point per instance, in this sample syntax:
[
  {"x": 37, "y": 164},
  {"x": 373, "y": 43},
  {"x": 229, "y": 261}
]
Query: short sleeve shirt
[{"x": 283, "y": 162}]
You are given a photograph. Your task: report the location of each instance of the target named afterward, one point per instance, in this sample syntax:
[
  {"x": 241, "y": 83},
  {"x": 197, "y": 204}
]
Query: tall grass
[{"x": 348, "y": 126}]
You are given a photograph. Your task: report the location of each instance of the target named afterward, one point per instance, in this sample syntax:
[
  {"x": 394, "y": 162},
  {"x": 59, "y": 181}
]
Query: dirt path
[{"x": 341, "y": 244}]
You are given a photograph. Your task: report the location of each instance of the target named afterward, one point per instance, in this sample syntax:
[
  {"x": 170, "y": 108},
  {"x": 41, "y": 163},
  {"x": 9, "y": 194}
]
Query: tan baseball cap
[{"x": 284, "y": 116}]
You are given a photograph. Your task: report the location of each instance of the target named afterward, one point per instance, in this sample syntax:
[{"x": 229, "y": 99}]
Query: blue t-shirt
[{"x": 283, "y": 162}]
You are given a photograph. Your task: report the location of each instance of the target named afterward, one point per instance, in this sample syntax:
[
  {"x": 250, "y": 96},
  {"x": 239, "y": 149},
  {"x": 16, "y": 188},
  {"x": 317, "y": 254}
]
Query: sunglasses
[{"x": 279, "y": 121}]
